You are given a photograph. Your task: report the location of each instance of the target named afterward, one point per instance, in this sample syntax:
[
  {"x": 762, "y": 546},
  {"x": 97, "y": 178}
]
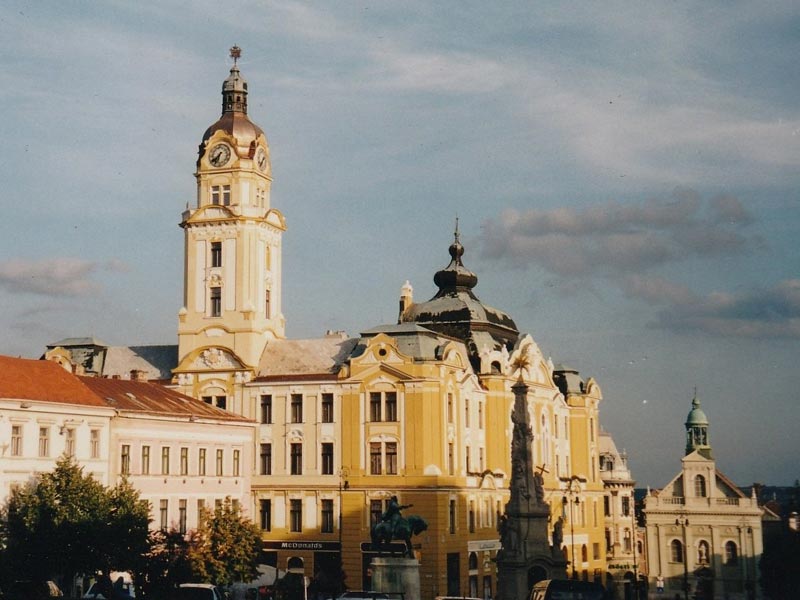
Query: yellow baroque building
[{"x": 419, "y": 409}]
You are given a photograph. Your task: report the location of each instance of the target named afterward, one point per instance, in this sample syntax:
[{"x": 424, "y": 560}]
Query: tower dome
[
  {"x": 234, "y": 120},
  {"x": 697, "y": 429},
  {"x": 456, "y": 311}
]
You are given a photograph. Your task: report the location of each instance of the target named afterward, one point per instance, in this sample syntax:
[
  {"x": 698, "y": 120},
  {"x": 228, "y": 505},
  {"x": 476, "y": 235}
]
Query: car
[
  {"x": 363, "y": 595},
  {"x": 33, "y": 590},
  {"x": 198, "y": 591},
  {"x": 124, "y": 591}
]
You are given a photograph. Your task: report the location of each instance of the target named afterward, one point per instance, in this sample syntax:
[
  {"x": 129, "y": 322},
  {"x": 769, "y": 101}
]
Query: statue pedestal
[{"x": 391, "y": 574}]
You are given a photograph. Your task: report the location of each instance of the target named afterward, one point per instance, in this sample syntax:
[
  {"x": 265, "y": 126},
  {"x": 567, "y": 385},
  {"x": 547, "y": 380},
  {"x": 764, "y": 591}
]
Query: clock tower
[{"x": 232, "y": 251}]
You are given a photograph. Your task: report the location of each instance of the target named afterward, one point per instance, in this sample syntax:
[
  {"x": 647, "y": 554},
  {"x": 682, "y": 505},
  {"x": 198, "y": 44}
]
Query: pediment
[{"x": 211, "y": 358}]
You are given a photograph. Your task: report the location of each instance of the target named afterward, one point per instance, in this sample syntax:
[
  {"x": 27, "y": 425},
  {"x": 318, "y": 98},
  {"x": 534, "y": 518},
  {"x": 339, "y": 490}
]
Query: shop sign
[{"x": 302, "y": 545}]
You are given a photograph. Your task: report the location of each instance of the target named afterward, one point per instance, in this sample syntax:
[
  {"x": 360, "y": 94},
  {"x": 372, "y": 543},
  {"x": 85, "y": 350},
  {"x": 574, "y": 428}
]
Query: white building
[
  {"x": 46, "y": 412},
  {"x": 178, "y": 452},
  {"x": 702, "y": 531}
]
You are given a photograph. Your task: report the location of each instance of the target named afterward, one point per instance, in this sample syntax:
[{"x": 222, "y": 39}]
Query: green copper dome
[{"x": 696, "y": 415}]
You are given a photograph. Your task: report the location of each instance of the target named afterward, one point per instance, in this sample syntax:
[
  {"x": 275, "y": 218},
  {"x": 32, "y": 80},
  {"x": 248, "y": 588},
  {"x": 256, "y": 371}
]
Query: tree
[
  {"x": 225, "y": 547},
  {"x": 66, "y": 522}
]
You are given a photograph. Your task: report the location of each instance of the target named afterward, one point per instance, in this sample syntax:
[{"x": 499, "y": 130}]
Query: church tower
[
  {"x": 697, "y": 429},
  {"x": 232, "y": 251}
]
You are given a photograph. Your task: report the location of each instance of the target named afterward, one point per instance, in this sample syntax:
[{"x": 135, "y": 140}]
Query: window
[
  {"x": 731, "y": 553},
  {"x": 44, "y": 441},
  {"x": 480, "y": 459},
  {"x": 265, "y": 512},
  {"x": 221, "y": 194},
  {"x": 145, "y": 460},
  {"x": 452, "y": 516},
  {"x": 182, "y": 515},
  {"x": 327, "y": 408},
  {"x": 94, "y": 443},
  {"x": 216, "y": 302},
  {"x": 480, "y": 414},
  {"x": 472, "y": 516},
  {"x": 125, "y": 460},
  {"x": 375, "y": 512},
  {"x": 626, "y": 540},
  {"x": 216, "y": 254},
  {"x": 700, "y": 486},
  {"x": 591, "y": 429},
  {"x": 449, "y": 408},
  {"x": 327, "y": 516},
  {"x": 606, "y": 506},
  {"x": 466, "y": 458},
  {"x": 219, "y": 462},
  {"x": 69, "y": 442},
  {"x": 201, "y": 508},
  {"x": 297, "y": 408},
  {"x": 327, "y": 459},
  {"x": 266, "y": 409},
  {"x": 236, "y": 506},
  {"x": 295, "y": 516},
  {"x": 451, "y": 465},
  {"x": 375, "y": 466},
  {"x": 236, "y": 461},
  {"x": 184, "y": 461},
  {"x": 626, "y": 506},
  {"x": 222, "y": 402},
  {"x": 391, "y": 458},
  {"x": 201, "y": 462},
  {"x": 595, "y": 551},
  {"x": 676, "y": 551},
  {"x": 165, "y": 460},
  {"x": 374, "y": 406},
  {"x": 267, "y": 307},
  {"x": 608, "y": 540},
  {"x": 16, "y": 440},
  {"x": 391, "y": 406},
  {"x": 584, "y": 553},
  {"x": 296, "y": 459},
  {"x": 266, "y": 459},
  {"x": 163, "y": 509}
]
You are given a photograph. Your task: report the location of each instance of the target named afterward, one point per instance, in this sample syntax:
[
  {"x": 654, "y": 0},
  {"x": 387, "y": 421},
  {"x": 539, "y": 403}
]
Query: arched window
[
  {"x": 584, "y": 553},
  {"x": 731, "y": 553},
  {"x": 676, "y": 551},
  {"x": 700, "y": 486},
  {"x": 473, "y": 561}
]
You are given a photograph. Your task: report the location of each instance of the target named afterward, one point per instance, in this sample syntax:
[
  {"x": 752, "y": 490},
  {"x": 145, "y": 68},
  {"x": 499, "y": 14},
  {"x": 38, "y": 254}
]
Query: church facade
[
  {"x": 419, "y": 409},
  {"x": 704, "y": 535}
]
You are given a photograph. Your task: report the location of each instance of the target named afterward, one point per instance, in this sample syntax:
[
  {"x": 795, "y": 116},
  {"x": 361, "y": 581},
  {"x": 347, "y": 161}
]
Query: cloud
[
  {"x": 615, "y": 238},
  {"x": 54, "y": 276},
  {"x": 771, "y": 312}
]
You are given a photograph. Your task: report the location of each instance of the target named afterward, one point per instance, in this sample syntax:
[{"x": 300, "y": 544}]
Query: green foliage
[
  {"x": 65, "y": 522},
  {"x": 165, "y": 564},
  {"x": 225, "y": 547}
]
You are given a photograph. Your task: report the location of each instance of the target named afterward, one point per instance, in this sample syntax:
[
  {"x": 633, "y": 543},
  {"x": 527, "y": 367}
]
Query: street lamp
[
  {"x": 572, "y": 490},
  {"x": 683, "y": 522},
  {"x": 343, "y": 485}
]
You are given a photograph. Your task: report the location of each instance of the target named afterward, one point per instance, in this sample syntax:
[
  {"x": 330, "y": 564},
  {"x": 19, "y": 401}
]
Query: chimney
[{"x": 138, "y": 375}]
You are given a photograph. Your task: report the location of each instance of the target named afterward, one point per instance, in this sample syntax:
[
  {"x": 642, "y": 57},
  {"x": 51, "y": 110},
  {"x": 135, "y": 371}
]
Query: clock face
[
  {"x": 261, "y": 159},
  {"x": 219, "y": 155}
]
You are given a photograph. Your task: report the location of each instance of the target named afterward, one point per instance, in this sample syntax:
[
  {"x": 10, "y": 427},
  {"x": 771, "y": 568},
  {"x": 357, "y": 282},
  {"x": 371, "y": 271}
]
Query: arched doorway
[{"x": 536, "y": 574}]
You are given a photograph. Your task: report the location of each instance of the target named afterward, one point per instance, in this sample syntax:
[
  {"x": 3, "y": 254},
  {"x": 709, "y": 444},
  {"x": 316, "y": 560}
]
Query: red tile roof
[
  {"x": 26, "y": 379},
  {"x": 152, "y": 398}
]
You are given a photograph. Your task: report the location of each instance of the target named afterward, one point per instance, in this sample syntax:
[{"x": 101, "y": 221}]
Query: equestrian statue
[{"x": 394, "y": 526}]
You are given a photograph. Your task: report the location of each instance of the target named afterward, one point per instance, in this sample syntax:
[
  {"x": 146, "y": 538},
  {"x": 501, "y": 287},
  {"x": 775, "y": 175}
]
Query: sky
[{"x": 625, "y": 177}]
